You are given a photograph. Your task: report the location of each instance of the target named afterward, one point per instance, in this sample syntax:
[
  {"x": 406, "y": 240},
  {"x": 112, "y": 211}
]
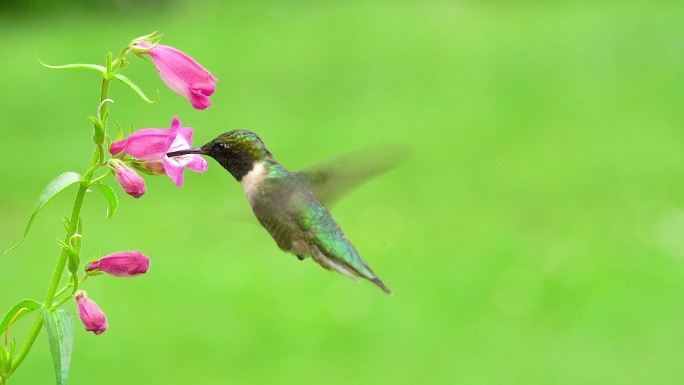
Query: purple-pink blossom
[
  {"x": 132, "y": 183},
  {"x": 152, "y": 144},
  {"x": 181, "y": 73},
  {"x": 122, "y": 264},
  {"x": 90, "y": 314}
]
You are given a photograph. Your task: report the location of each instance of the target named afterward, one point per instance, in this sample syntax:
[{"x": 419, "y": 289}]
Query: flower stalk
[
  {"x": 144, "y": 150},
  {"x": 73, "y": 222}
]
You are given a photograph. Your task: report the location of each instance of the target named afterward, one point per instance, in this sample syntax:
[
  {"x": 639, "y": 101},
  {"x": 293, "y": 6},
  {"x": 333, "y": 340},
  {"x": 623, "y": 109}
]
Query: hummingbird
[{"x": 290, "y": 205}]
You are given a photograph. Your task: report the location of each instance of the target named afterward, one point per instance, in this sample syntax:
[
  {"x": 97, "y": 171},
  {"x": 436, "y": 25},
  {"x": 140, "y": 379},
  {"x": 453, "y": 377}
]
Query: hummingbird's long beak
[{"x": 185, "y": 152}]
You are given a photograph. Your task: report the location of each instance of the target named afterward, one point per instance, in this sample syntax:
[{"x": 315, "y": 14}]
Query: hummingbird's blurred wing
[{"x": 331, "y": 179}]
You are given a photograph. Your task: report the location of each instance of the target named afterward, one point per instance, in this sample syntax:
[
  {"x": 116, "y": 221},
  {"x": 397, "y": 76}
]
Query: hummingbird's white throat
[{"x": 251, "y": 181}]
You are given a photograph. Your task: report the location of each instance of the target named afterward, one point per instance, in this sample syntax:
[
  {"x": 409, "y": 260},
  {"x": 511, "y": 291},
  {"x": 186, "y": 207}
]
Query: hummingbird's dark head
[{"x": 236, "y": 151}]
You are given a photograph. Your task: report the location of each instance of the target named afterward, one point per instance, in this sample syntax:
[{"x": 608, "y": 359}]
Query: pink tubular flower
[
  {"x": 131, "y": 182},
  {"x": 90, "y": 314},
  {"x": 181, "y": 73},
  {"x": 152, "y": 144},
  {"x": 122, "y": 264},
  {"x": 152, "y": 168}
]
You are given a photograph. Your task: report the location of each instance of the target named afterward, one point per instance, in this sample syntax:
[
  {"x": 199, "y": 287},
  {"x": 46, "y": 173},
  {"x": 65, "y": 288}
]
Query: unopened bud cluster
[{"x": 120, "y": 264}]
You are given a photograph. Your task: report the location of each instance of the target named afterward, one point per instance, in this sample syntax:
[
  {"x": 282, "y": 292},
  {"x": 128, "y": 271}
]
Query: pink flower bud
[
  {"x": 132, "y": 183},
  {"x": 122, "y": 264},
  {"x": 90, "y": 314},
  {"x": 181, "y": 73}
]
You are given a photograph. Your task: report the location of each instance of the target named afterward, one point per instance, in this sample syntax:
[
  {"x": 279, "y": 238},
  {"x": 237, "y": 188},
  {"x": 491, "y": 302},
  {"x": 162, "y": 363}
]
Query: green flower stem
[
  {"x": 103, "y": 95},
  {"x": 35, "y": 330},
  {"x": 100, "y": 178},
  {"x": 119, "y": 62},
  {"x": 65, "y": 288},
  {"x": 73, "y": 223},
  {"x": 64, "y": 300},
  {"x": 103, "y": 109},
  {"x": 61, "y": 263}
]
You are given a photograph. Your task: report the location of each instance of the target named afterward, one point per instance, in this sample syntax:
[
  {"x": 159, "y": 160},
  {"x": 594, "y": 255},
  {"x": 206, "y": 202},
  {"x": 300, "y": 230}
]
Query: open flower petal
[
  {"x": 199, "y": 100},
  {"x": 152, "y": 144},
  {"x": 197, "y": 163},
  {"x": 174, "y": 169}
]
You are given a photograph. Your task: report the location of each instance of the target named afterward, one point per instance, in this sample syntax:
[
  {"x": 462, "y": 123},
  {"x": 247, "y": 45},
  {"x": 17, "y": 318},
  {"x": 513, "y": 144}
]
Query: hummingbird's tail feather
[
  {"x": 344, "y": 269},
  {"x": 381, "y": 285},
  {"x": 332, "y": 264}
]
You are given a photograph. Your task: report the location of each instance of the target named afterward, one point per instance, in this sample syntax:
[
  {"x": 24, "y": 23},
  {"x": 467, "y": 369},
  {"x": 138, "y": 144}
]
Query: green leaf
[
  {"x": 74, "y": 259},
  {"x": 29, "y": 304},
  {"x": 60, "y": 336},
  {"x": 110, "y": 195},
  {"x": 5, "y": 364},
  {"x": 119, "y": 131},
  {"x": 98, "y": 130},
  {"x": 55, "y": 187},
  {"x": 6, "y": 354},
  {"x": 79, "y": 228},
  {"x": 83, "y": 66},
  {"x": 100, "y": 151},
  {"x": 135, "y": 88}
]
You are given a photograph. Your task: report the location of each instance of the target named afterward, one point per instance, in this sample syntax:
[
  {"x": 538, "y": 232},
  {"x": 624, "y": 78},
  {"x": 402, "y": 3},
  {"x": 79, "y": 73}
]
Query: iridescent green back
[{"x": 289, "y": 211}]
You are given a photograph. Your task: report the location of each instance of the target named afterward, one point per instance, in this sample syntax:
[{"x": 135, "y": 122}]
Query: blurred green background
[{"x": 535, "y": 236}]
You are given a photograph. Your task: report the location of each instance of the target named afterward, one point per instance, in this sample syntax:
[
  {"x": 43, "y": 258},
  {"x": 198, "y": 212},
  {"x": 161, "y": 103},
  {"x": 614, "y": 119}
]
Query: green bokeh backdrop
[{"x": 534, "y": 237}]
